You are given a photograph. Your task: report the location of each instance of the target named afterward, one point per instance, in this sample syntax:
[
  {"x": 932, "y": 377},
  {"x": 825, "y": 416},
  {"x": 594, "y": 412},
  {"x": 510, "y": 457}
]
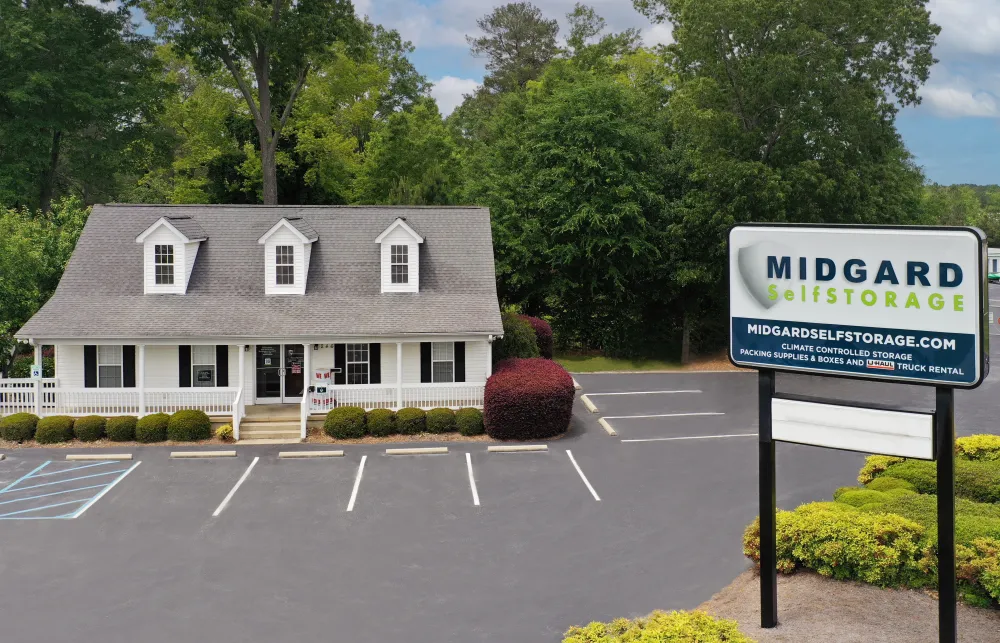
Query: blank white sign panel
[{"x": 909, "y": 435}]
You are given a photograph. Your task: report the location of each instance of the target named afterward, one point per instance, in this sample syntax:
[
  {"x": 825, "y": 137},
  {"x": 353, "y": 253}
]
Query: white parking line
[
  {"x": 106, "y": 489},
  {"x": 580, "y": 471},
  {"x": 694, "y": 437},
  {"x": 645, "y": 392},
  {"x": 232, "y": 491},
  {"x": 357, "y": 483},
  {"x": 472, "y": 480},
  {"x": 659, "y": 415}
]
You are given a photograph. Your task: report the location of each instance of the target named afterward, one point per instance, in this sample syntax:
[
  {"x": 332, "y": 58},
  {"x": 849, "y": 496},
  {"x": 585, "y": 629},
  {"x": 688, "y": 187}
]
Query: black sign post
[{"x": 768, "y": 504}]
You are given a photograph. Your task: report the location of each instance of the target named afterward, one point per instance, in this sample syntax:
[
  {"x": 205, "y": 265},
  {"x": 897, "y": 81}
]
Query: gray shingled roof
[
  {"x": 101, "y": 292},
  {"x": 303, "y": 226},
  {"x": 186, "y": 226}
]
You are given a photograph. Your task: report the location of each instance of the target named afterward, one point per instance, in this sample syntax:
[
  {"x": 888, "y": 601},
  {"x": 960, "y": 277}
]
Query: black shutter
[
  {"x": 90, "y": 367},
  {"x": 425, "y": 362},
  {"x": 340, "y": 364},
  {"x": 375, "y": 363},
  {"x": 128, "y": 366},
  {"x": 222, "y": 365},
  {"x": 459, "y": 361},
  {"x": 183, "y": 366}
]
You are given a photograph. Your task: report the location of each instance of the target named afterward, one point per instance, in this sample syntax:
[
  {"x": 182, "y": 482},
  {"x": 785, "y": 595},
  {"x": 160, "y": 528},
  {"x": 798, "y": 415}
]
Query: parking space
[{"x": 60, "y": 490}]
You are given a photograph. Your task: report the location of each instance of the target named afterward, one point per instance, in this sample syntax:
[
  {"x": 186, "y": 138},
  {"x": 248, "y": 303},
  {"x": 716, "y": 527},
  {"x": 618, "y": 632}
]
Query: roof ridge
[{"x": 284, "y": 206}]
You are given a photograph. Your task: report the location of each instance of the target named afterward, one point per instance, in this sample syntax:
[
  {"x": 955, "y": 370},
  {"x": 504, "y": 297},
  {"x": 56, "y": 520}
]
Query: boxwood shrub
[
  {"x": 121, "y": 428},
  {"x": 440, "y": 420},
  {"x": 974, "y": 479},
  {"x": 979, "y": 447},
  {"x": 345, "y": 422},
  {"x": 89, "y": 428},
  {"x": 189, "y": 425},
  {"x": 18, "y": 427},
  {"x": 410, "y": 421},
  {"x": 543, "y": 335},
  {"x": 885, "y": 483},
  {"x": 152, "y": 428},
  {"x": 469, "y": 421},
  {"x": 675, "y": 627},
  {"x": 528, "y": 399},
  {"x": 518, "y": 339},
  {"x": 53, "y": 429},
  {"x": 381, "y": 422}
]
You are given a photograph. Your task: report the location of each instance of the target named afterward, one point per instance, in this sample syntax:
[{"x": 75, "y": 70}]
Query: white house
[
  {"x": 228, "y": 308},
  {"x": 993, "y": 261}
]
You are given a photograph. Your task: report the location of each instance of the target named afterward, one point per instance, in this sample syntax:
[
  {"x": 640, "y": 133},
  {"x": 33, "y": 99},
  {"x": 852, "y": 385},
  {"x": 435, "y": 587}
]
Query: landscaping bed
[{"x": 185, "y": 427}]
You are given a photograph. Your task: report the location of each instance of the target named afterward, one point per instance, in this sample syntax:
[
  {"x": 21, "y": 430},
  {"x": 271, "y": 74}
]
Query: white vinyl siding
[
  {"x": 69, "y": 365},
  {"x": 400, "y": 237},
  {"x": 163, "y": 236},
  {"x": 475, "y": 361},
  {"x": 285, "y": 237},
  {"x": 162, "y": 363}
]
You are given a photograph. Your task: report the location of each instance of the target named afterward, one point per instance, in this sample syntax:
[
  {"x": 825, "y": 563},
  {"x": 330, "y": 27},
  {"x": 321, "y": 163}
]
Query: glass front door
[{"x": 280, "y": 373}]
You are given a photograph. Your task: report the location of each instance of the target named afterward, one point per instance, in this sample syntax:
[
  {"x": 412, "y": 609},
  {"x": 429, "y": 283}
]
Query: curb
[
  {"x": 99, "y": 456},
  {"x": 258, "y": 441},
  {"x": 576, "y": 384},
  {"x": 587, "y": 403},
  {"x": 310, "y": 454},
  {"x": 607, "y": 427},
  {"x": 202, "y": 454},
  {"x": 2, "y": 456},
  {"x": 517, "y": 448},
  {"x": 417, "y": 451}
]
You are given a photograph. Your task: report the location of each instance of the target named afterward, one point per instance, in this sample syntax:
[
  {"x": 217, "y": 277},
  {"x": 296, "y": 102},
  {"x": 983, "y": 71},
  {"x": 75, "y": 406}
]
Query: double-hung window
[
  {"x": 399, "y": 266},
  {"x": 203, "y": 365},
  {"x": 163, "y": 264},
  {"x": 443, "y": 362},
  {"x": 357, "y": 363},
  {"x": 284, "y": 265},
  {"x": 109, "y": 366}
]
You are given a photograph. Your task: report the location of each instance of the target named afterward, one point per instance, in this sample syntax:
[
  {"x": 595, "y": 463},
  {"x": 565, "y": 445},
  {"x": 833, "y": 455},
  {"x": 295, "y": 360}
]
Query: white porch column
[
  {"x": 242, "y": 364},
  {"x": 489, "y": 357},
  {"x": 399, "y": 375},
  {"x": 38, "y": 382},
  {"x": 307, "y": 376},
  {"x": 141, "y": 380}
]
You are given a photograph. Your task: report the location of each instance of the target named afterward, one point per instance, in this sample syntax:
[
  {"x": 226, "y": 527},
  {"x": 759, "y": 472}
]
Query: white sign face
[
  {"x": 904, "y": 304},
  {"x": 36, "y": 371}
]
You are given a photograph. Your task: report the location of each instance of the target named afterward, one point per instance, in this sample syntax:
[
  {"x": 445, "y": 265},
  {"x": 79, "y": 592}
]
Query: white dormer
[
  {"x": 170, "y": 247},
  {"x": 400, "y": 257},
  {"x": 287, "y": 248}
]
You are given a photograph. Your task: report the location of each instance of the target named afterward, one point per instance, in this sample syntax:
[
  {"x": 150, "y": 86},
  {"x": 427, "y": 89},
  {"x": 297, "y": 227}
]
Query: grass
[{"x": 594, "y": 363}]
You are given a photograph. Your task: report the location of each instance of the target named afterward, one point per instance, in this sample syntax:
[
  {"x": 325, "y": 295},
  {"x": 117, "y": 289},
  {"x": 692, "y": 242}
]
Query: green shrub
[
  {"x": 875, "y": 465},
  {"x": 518, "y": 339},
  {"x": 844, "y": 543},
  {"x": 152, "y": 428},
  {"x": 381, "y": 422},
  {"x": 345, "y": 422},
  {"x": 979, "y": 447},
  {"x": 121, "y": 428},
  {"x": 440, "y": 420},
  {"x": 469, "y": 421},
  {"x": 885, "y": 483},
  {"x": 225, "y": 433},
  {"x": 18, "y": 427},
  {"x": 972, "y": 519},
  {"x": 55, "y": 428},
  {"x": 189, "y": 425},
  {"x": 660, "y": 627},
  {"x": 978, "y": 567},
  {"x": 974, "y": 479},
  {"x": 858, "y": 496},
  {"x": 410, "y": 421},
  {"x": 89, "y": 428}
]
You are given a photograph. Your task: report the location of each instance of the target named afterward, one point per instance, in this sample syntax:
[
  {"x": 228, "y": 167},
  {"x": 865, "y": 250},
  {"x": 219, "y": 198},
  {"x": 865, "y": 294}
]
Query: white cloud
[
  {"x": 661, "y": 34},
  {"x": 957, "y": 102},
  {"x": 449, "y": 91},
  {"x": 968, "y": 25}
]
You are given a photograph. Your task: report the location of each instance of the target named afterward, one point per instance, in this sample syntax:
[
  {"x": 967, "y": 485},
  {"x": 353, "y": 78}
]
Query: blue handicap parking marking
[{"x": 63, "y": 490}]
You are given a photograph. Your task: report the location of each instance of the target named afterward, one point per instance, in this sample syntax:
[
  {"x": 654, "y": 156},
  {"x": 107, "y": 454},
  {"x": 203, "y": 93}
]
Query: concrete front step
[{"x": 269, "y": 435}]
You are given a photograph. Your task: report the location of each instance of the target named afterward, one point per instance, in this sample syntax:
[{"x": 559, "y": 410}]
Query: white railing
[
  {"x": 17, "y": 395},
  {"x": 211, "y": 400},
  {"x": 239, "y": 410},
  {"x": 93, "y": 401},
  {"x": 379, "y": 396}
]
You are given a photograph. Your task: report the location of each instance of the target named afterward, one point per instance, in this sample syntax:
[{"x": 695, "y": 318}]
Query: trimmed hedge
[
  {"x": 875, "y": 465},
  {"x": 543, "y": 335},
  {"x": 152, "y": 428},
  {"x": 661, "y": 627},
  {"x": 978, "y": 447},
  {"x": 188, "y": 426},
  {"x": 528, "y": 399},
  {"x": 885, "y": 483},
  {"x": 345, "y": 422},
  {"x": 469, "y": 421},
  {"x": 518, "y": 339},
  {"x": 121, "y": 428},
  {"x": 978, "y": 568},
  {"x": 440, "y": 420},
  {"x": 18, "y": 427},
  {"x": 974, "y": 479},
  {"x": 381, "y": 422},
  {"x": 89, "y": 428},
  {"x": 410, "y": 421},
  {"x": 53, "y": 429}
]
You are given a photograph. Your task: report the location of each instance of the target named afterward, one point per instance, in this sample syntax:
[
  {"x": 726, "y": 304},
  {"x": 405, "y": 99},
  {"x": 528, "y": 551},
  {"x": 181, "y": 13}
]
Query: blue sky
[{"x": 954, "y": 134}]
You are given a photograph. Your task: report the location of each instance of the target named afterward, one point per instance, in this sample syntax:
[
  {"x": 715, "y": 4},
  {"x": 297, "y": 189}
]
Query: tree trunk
[
  {"x": 686, "y": 338},
  {"x": 49, "y": 178},
  {"x": 268, "y": 154}
]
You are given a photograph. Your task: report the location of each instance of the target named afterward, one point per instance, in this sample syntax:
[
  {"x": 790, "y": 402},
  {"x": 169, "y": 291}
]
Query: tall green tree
[
  {"x": 269, "y": 48},
  {"x": 517, "y": 42}
]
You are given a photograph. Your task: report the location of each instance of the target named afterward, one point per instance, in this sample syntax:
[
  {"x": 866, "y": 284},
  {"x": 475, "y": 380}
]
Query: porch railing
[
  {"x": 367, "y": 396},
  {"x": 428, "y": 396},
  {"x": 211, "y": 400},
  {"x": 382, "y": 396},
  {"x": 17, "y": 395}
]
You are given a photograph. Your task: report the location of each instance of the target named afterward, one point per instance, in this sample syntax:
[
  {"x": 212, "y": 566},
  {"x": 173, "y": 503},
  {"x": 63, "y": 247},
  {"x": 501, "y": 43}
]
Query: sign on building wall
[{"x": 901, "y": 304}]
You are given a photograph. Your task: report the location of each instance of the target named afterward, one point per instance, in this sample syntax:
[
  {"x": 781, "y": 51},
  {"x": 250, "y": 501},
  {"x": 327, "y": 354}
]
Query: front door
[{"x": 280, "y": 373}]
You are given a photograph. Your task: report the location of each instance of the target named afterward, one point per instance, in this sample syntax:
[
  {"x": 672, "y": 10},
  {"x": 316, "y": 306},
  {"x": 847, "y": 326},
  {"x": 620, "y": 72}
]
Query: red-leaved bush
[
  {"x": 543, "y": 334},
  {"x": 528, "y": 399}
]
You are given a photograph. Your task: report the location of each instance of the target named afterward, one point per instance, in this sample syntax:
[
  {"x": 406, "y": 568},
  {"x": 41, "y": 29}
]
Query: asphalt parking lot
[{"x": 371, "y": 547}]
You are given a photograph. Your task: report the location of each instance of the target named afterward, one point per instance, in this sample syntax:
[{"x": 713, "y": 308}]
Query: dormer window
[
  {"x": 284, "y": 265},
  {"x": 163, "y": 257},
  {"x": 400, "y": 257},
  {"x": 287, "y": 249},
  {"x": 400, "y": 266}
]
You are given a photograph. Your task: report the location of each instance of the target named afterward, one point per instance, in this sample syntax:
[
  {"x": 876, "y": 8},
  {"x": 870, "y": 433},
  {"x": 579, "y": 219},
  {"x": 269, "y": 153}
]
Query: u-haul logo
[{"x": 882, "y": 365}]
